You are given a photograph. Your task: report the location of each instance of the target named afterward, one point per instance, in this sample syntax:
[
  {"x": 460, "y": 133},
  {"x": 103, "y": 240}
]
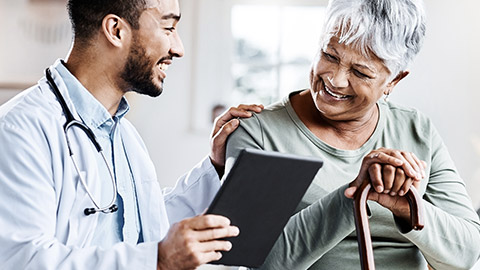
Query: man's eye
[{"x": 170, "y": 29}]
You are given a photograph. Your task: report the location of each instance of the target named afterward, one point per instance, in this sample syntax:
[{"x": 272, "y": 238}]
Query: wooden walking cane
[{"x": 363, "y": 229}]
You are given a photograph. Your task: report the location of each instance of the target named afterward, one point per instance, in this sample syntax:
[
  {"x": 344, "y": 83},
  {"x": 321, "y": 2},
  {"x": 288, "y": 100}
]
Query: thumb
[
  {"x": 221, "y": 136},
  {"x": 218, "y": 141},
  {"x": 350, "y": 192}
]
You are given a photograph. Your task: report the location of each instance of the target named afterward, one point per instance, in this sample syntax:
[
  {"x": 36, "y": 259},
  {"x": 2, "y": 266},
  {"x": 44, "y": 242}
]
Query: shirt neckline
[
  {"x": 88, "y": 108},
  {"x": 367, "y": 146}
]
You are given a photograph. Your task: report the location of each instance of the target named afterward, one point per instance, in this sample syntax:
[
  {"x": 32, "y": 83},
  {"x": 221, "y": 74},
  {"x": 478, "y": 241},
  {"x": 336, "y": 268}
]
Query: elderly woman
[{"x": 365, "y": 50}]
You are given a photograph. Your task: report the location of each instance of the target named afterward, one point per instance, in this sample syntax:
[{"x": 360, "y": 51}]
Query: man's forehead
[
  {"x": 163, "y": 7},
  {"x": 152, "y": 3},
  {"x": 162, "y": 4}
]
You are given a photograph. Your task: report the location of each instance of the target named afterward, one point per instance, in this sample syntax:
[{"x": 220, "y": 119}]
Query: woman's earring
[{"x": 386, "y": 96}]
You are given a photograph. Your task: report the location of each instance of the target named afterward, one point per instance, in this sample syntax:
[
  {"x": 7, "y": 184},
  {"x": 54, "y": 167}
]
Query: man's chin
[{"x": 152, "y": 91}]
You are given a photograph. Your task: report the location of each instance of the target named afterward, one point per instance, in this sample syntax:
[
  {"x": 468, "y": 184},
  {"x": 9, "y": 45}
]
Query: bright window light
[{"x": 273, "y": 50}]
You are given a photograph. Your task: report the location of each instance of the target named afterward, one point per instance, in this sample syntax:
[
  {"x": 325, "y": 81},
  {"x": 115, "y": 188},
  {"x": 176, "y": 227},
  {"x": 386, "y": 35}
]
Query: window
[
  {"x": 274, "y": 46},
  {"x": 246, "y": 51}
]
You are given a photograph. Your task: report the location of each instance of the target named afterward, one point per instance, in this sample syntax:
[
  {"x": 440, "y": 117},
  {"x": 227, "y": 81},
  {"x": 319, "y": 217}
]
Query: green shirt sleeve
[
  {"x": 451, "y": 224},
  {"x": 308, "y": 236}
]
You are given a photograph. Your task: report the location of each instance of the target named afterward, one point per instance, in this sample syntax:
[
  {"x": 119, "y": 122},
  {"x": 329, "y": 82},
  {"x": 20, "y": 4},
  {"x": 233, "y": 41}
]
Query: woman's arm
[{"x": 451, "y": 237}]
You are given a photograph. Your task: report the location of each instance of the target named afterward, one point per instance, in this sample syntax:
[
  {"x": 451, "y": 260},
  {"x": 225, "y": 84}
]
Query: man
[{"x": 58, "y": 210}]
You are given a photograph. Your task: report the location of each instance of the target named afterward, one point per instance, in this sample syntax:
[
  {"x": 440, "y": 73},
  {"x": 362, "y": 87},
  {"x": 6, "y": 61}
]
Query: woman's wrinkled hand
[{"x": 391, "y": 173}]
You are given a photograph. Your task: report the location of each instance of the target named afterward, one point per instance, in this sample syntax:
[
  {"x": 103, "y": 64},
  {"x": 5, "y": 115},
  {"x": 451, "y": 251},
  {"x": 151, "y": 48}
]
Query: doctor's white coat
[{"x": 42, "y": 225}]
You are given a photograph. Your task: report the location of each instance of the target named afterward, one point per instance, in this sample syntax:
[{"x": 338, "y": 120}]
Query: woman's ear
[
  {"x": 116, "y": 30},
  {"x": 396, "y": 80}
]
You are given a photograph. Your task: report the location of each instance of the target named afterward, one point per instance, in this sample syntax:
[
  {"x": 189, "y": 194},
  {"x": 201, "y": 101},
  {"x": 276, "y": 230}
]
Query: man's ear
[
  {"x": 396, "y": 80},
  {"x": 116, "y": 30}
]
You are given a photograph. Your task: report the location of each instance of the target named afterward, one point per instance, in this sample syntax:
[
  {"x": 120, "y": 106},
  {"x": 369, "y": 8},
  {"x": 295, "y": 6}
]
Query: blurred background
[{"x": 257, "y": 51}]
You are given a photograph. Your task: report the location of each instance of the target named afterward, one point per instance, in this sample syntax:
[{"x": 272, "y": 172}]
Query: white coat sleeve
[
  {"x": 30, "y": 196},
  {"x": 193, "y": 192}
]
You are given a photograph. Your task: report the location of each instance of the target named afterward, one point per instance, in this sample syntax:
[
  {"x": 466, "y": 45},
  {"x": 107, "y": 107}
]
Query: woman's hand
[
  {"x": 391, "y": 173},
  {"x": 387, "y": 178}
]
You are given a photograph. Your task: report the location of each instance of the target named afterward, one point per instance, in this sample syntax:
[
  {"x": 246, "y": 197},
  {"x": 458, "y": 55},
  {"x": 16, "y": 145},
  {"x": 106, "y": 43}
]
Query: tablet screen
[{"x": 259, "y": 195}]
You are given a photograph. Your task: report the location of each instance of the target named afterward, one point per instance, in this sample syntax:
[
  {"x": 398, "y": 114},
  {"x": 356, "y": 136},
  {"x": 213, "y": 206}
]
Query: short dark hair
[{"x": 86, "y": 15}]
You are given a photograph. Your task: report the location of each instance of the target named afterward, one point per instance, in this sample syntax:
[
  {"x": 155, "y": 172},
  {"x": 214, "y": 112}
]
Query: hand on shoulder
[{"x": 224, "y": 125}]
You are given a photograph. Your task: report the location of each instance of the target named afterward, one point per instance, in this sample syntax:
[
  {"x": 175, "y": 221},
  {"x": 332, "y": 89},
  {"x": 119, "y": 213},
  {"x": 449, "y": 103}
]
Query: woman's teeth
[
  {"x": 335, "y": 95},
  {"x": 163, "y": 66}
]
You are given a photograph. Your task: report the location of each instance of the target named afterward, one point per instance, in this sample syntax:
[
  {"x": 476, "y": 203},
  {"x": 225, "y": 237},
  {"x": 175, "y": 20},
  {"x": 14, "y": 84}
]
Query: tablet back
[{"x": 259, "y": 195}]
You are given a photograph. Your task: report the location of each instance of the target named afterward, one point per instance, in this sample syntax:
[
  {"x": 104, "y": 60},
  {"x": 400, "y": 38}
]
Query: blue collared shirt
[{"x": 123, "y": 225}]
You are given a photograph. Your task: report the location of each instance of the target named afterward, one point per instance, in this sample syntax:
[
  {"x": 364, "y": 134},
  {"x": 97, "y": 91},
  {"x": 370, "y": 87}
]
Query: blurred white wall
[
  {"x": 175, "y": 126},
  {"x": 443, "y": 82}
]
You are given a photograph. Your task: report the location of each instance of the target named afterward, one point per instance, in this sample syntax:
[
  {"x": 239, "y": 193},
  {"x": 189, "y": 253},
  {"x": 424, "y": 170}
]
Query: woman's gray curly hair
[{"x": 393, "y": 30}]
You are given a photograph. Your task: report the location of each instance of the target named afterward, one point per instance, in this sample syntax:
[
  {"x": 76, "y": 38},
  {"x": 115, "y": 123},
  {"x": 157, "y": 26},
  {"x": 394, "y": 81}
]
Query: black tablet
[{"x": 259, "y": 195}]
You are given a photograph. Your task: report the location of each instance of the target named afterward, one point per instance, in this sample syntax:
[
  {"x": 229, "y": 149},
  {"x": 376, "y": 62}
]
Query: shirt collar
[{"x": 90, "y": 110}]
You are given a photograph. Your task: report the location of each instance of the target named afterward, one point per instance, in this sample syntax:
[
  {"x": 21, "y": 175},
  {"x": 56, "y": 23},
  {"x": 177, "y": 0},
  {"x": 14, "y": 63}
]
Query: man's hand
[
  {"x": 391, "y": 173},
  {"x": 194, "y": 241},
  {"x": 224, "y": 125}
]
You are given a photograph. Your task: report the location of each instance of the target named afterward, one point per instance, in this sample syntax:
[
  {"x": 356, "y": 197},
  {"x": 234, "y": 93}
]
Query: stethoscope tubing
[{"x": 70, "y": 123}]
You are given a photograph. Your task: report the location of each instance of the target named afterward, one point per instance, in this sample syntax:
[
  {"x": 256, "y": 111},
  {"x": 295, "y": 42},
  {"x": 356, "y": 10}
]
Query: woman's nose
[{"x": 338, "y": 79}]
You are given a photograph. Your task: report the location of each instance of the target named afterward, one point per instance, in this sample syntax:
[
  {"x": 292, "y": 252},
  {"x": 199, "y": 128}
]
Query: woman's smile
[{"x": 333, "y": 94}]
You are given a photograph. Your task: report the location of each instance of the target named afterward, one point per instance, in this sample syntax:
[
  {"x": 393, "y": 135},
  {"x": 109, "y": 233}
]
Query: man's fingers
[
  {"x": 221, "y": 120},
  {"x": 211, "y": 256},
  {"x": 205, "y": 222},
  {"x": 240, "y": 111},
  {"x": 223, "y": 132},
  {"x": 217, "y": 233},
  {"x": 218, "y": 142},
  {"x": 251, "y": 107},
  {"x": 217, "y": 245}
]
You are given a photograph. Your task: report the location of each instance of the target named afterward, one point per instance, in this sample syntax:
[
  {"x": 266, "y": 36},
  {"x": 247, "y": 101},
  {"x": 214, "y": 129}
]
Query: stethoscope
[{"x": 70, "y": 123}]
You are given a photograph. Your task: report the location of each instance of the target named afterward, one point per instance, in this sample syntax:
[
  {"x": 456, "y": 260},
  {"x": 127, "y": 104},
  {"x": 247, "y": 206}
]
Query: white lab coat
[{"x": 42, "y": 225}]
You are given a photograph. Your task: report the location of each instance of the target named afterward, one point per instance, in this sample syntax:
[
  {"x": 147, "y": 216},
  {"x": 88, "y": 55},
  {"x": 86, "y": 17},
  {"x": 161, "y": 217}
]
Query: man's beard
[{"x": 138, "y": 73}]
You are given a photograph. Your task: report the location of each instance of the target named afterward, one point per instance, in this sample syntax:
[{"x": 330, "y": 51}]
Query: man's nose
[{"x": 176, "y": 49}]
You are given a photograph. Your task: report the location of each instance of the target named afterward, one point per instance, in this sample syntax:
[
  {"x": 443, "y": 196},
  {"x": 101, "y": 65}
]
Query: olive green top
[{"x": 321, "y": 235}]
